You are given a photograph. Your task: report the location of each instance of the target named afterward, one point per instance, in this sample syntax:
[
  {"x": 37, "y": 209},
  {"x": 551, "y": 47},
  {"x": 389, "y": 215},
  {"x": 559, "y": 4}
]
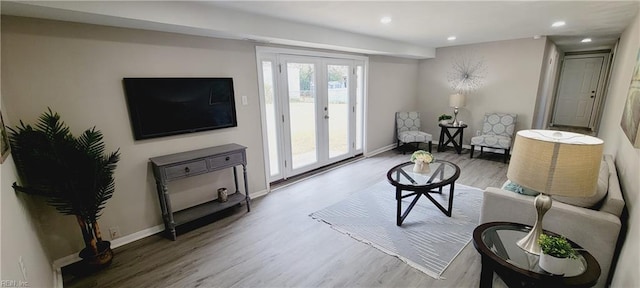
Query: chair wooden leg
[
  {"x": 506, "y": 155},
  {"x": 473, "y": 148},
  {"x": 429, "y": 146}
]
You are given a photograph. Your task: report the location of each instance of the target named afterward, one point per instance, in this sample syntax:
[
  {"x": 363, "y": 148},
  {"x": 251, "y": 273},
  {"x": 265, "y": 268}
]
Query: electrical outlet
[
  {"x": 477, "y": 132},
  {"x": 114, "y": 232},
  {"x": 244, "y": 100}
]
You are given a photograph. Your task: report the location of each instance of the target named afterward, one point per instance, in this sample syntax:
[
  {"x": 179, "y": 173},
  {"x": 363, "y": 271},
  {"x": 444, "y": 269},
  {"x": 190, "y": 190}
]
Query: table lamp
[
  {"x": 456, "y": 101},
  {"x": 553, "y": 163}
]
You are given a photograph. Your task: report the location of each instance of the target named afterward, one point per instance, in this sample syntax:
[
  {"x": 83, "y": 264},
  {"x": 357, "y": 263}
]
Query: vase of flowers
[
  {"x": 421, "y": 160},
  {"x": 556, "y": 254}
]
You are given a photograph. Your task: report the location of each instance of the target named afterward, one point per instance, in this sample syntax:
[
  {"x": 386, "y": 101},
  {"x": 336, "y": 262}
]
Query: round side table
[{"x": 496, "y": 243}]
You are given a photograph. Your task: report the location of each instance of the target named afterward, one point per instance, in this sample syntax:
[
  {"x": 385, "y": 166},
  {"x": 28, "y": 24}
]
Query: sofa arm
[
  {"x": 613, "y": 202},
  {"x": 594, "y": 230}
]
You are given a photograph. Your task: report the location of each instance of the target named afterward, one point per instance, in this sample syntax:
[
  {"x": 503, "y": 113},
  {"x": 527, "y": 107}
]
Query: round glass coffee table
[
  {"x": 441, "y": 173},
  {"x": 496, "y": 243}
]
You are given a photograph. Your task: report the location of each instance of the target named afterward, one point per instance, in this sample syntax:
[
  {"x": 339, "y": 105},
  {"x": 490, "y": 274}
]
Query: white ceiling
[
  {"x": 429, "y": 23},
  {"x": 417, "y": 27}
]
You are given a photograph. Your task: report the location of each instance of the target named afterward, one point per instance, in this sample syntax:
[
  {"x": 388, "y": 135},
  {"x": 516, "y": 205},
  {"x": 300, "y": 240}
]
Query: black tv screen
[{"x": 169, "y": 106}]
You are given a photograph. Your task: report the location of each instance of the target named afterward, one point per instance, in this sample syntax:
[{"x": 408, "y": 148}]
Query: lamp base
[
  {"x": 530, "y": 242},
  {"x": 455, "y": 117}
]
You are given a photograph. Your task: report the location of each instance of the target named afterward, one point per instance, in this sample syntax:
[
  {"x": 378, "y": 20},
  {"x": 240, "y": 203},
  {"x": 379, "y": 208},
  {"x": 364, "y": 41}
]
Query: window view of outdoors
[
  {"x": 302, "y": 118},
  {"x": 272, "y": 135},
  {"x": 338, "y": 76}
]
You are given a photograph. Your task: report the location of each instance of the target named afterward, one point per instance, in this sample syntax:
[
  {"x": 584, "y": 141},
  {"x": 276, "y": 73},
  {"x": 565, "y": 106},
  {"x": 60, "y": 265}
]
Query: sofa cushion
[{"x": 586, "y": 202}]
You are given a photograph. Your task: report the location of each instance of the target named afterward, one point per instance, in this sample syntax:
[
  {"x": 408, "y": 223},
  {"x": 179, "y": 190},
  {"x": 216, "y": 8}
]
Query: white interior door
[
  {"x": 313, "y": 109},
  {"x": 577, "y": 90}
]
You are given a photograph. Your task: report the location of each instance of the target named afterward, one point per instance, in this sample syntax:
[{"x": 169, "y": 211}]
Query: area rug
[{"x": 428, "y": 240}]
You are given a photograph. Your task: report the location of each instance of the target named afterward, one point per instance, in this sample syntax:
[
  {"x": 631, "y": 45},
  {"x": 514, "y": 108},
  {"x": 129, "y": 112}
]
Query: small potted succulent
[
  {"x": 444, "y": 119},
  {"x": 421, "y": 159},
  {"x": 556, "y": 254}
]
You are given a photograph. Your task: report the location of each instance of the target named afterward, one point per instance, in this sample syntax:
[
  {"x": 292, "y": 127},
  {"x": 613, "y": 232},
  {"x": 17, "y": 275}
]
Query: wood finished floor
[{"x": 278, "y": 245}]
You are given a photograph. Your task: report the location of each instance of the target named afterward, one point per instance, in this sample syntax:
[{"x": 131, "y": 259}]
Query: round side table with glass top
[{"x": 496, "y": 243}]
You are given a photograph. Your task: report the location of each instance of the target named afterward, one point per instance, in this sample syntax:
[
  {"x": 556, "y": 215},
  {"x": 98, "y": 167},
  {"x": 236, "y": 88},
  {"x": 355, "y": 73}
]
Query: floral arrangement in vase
[{"x": 421, "y": 159}]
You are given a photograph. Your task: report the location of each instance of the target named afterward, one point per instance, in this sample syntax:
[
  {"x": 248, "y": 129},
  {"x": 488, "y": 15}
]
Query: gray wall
[
  {"x": 77, "y": 69},
  {"x": 20, "y": 234},
  {"x": 627, "y": 158},
  {"x": 511, "y": 83},
  {"x": 392, "y": 87}
]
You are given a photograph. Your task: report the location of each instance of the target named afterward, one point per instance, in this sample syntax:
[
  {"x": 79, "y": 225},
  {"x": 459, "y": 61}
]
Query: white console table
[{"x": 178, "y": 166}]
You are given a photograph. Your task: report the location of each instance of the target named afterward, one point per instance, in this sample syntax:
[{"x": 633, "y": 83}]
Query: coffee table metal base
[{"x": 402, "y": 215}]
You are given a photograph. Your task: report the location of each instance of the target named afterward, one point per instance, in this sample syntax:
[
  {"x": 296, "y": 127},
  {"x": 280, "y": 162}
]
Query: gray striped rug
[{"x": 427, "y": 240}]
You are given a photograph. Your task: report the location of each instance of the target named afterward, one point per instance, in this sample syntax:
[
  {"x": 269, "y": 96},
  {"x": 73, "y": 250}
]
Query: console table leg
[
  {"x": 167, "y": 205},
  {"x": 246, "y": 187},
  {"x": 235, "y": 178}
]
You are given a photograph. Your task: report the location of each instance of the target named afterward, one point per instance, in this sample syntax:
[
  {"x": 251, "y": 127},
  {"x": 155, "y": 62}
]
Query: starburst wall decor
[{"x": 467, "y": 74}]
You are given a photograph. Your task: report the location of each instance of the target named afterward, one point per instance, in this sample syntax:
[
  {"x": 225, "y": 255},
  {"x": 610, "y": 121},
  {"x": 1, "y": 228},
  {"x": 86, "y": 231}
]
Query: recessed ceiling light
[
  {"x": 558, "y": 24},
  {"x": 451, "y": 38},
  {"x": 385, "y": 20},
  {"x": 586, "y": 40}
]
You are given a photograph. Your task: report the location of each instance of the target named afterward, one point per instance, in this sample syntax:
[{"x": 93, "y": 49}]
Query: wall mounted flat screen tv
[{"x": 168, "y": 106}]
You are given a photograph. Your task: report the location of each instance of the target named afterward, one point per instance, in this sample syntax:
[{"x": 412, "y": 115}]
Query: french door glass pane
[
  {"x": 270, "y": 105},
  {"x": 359, "y": 105},
  {"x": 302, "y": 113},
  {"x": 338, "y": 92}
]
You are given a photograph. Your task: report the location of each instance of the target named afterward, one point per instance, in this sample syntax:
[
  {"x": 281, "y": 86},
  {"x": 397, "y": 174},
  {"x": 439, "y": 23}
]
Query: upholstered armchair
[
  {"x": 408, "y": 130},
  {"x": 497, "y": 133}
]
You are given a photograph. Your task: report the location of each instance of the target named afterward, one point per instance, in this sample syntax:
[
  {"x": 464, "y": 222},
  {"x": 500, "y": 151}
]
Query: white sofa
[{"x": 595, "y": 230}]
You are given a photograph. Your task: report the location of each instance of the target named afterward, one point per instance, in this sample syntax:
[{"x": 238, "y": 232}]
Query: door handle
[
  {"x": 326, "y": 116},
  {"x": 593, "y": 96}
]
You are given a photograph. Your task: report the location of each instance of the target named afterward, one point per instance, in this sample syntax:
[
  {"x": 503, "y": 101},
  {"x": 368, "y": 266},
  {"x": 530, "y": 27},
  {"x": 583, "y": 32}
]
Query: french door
[{"x": 312, "y": 109}]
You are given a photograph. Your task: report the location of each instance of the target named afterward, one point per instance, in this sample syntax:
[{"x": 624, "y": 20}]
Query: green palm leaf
[{"x": 75, "y": 175}]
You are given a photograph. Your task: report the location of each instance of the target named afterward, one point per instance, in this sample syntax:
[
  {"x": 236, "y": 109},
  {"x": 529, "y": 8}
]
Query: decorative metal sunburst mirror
[{"x": 467, "y": 74}]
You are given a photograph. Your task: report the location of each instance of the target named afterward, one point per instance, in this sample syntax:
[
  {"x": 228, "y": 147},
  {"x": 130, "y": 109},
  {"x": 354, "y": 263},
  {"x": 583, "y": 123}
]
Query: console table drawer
[
  {"x": 185, "y": 170},
  {"x": 226, "y": 160}
]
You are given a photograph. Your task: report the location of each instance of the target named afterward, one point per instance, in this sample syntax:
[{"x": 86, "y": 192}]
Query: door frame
[
  {"x": 271, "y": 54},
  {"x": 598, "y": 104}
]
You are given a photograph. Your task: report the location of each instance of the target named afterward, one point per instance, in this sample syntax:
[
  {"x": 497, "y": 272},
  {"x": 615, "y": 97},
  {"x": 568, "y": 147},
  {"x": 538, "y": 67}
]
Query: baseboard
[
  {"x": 136, "y": 236},
  {"x": 259, "y": 194},
  {"x": 380, "y": 150}
]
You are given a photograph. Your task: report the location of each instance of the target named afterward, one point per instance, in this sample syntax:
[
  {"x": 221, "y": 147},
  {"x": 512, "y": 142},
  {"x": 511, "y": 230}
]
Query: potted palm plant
[
  {"x": 73, "y": 174},
  {"x": 556, "y": 254}
]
